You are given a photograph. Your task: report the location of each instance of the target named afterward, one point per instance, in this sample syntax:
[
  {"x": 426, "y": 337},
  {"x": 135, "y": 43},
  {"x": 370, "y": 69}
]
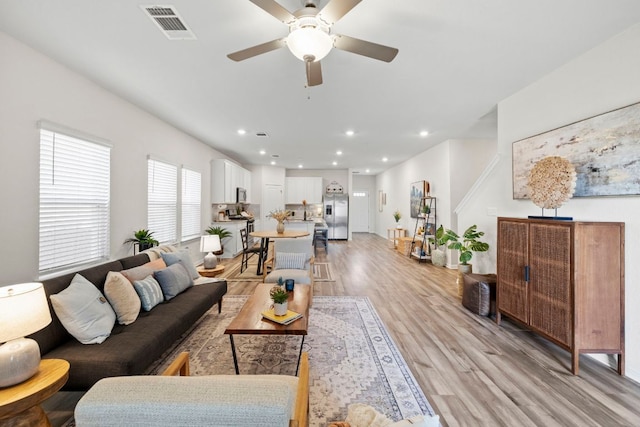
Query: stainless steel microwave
[{"x": 241, "y": 195}]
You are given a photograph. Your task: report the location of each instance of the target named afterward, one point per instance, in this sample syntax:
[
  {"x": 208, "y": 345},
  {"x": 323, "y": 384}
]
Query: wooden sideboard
[{"x": 565, "y": 281}]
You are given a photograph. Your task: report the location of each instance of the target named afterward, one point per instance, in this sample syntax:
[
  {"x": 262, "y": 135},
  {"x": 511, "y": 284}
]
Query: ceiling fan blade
[
  {"x": 365, "y": 48},
  {"x": 314, "y": 73},
  {"x": 274, "y": 9},
  {"x": 336, "y": 9},
  {"x": 250, "y": 52}
]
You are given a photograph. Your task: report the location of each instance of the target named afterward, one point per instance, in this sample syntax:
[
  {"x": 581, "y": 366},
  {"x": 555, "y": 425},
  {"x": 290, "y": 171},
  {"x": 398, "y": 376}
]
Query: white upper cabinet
[
  {"x": 298, "y": 189},
  {"x": 226, "y": 177}
]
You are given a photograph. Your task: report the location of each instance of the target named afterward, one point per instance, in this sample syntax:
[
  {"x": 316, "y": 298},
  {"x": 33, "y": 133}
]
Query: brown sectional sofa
[{"x": 131, "y": 349}]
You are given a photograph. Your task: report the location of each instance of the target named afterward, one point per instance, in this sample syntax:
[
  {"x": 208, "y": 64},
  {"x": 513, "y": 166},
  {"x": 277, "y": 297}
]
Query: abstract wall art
[{"x": 605, "y": 151}]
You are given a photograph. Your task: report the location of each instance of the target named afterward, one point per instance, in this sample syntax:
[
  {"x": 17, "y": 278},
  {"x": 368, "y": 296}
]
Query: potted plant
[
  {"x": 438, "y": 256},
  {"x": 397, "y": 215},
  {"x": 470, "y": 243},
  {"x": 280, "y": 297},
  {"x": 143, "y": 238},
  {"x": 223, "y": 233}
]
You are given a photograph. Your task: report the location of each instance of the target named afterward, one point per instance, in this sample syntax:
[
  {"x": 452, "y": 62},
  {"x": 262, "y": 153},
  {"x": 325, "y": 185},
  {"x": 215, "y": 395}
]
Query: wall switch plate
[{"x": 492, "y": 211}]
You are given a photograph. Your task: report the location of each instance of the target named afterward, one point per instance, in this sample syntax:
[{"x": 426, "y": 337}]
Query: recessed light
[
  {"x": 241, "y": 131},
  {"x": 367, "y": 171},
  {"x": 424, "y": 133},
  {"x": 335, "y": 163},
  {"x": 349, "y": 133},
  {"x": 273, "y": 162},
  {"x": 300, "y": 166},
  {"x": 384, "y": 159},
  {"x": 339, "y": 153},
  {"x": 262, "y": 152}
]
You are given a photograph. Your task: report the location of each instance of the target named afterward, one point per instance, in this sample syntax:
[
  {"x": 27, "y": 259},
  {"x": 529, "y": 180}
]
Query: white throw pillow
[
  {"x": 84, "y": 311},
  {"x": 123, "y": 297},
  {"x": 290, "y": 260}
]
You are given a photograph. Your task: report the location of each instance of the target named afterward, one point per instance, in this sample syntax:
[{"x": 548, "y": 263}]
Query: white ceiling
[{"x": 457, "y": 60}]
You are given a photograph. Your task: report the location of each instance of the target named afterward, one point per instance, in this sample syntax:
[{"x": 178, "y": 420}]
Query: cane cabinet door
[
  {"x": 513, "y": 257},
  {"x": 551, "y": 280}
]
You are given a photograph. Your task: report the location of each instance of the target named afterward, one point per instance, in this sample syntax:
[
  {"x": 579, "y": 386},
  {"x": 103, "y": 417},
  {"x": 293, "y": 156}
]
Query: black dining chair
[{"x": 247, "y": 251}]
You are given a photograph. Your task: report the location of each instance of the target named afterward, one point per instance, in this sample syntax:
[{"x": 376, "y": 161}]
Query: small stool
[
  {"x": 479, "y": 293},
  {"x": 320, "y": 236}
]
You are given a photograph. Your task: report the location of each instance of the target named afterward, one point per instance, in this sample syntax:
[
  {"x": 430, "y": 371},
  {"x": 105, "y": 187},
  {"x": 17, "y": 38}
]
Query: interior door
[{"x": 360, "y": 211}]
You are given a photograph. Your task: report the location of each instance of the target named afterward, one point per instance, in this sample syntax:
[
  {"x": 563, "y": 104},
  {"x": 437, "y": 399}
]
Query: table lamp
[
  {"x": 210, "y": 244},
  {"x": 23, "y": 311}
]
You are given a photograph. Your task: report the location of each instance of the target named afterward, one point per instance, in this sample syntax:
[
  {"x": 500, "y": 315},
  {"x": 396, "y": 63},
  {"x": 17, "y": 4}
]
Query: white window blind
[
  {"x": 162, "y": 200},
  {"x": 74, "y": 201},
  {"x": 191, "y": 197}
]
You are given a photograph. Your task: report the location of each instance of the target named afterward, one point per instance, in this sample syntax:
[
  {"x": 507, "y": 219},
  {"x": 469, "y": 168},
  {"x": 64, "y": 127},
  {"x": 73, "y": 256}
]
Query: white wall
[
  {"x": 451, "y": 169},
  {"x": 33, "y": 88},
  {"x": 605, "y": 78}
]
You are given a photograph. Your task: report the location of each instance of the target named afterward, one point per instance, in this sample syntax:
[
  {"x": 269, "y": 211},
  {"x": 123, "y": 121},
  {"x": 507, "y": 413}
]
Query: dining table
[{"x": 266, "y": 235}]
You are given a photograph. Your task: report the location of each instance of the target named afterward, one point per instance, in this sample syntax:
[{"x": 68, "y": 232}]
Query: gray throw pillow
[
  {"x": 171, "y": 258},
  {"x": 173, "y": 280}
]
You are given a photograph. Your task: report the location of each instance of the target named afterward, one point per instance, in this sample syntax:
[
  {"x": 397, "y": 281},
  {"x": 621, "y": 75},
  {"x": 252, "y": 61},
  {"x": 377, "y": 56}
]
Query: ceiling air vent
[
  {"x": 169, "y": 21},
  {"x": 261, "y": 134}
]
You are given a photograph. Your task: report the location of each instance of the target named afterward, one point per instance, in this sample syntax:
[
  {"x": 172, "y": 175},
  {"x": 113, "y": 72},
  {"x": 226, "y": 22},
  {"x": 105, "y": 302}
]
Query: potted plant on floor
[
  {"x": 143, "y": 238},
  {"x": 470, "y": 243},
  {"x": 280, "y": 297},
  {"x": 223, "y": 233},
  {"x": 438, "y": 256}
]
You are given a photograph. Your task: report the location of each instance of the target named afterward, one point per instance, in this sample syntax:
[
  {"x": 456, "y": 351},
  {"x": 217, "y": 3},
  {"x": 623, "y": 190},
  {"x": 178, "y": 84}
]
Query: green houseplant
[
  {"x": 143, "y": 238},
  {"x": 222, "y": 232},
  {"x": 280, "y": 297},
  {"x": 469, "y": 244},
  {"x": 438, "y": 256}
]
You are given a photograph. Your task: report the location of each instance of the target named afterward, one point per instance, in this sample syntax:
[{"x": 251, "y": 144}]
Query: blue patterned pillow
[
  {"x": 173, "y": 280},
  {"x": 149, "y": 292},
  {"x": 171, "y": 258},
  {"x": 290, "y": 261}
]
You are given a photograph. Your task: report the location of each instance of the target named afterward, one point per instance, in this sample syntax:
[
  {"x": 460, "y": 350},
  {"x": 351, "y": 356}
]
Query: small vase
[
  {"x": 398, "y": 225},
  {"x": 280, "y": 309},
  {"x": 280, "y": 227}
]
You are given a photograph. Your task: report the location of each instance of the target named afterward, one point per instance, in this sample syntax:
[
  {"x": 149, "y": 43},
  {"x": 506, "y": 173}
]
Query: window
[
  {"x": 191, "y": 195},
  {"x": 162, "y": 200},
  {"x": 74, "y": 200}
]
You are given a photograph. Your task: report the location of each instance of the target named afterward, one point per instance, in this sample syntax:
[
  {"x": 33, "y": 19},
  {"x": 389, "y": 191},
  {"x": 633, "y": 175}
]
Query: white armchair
[{"x": 292, "y": 259}]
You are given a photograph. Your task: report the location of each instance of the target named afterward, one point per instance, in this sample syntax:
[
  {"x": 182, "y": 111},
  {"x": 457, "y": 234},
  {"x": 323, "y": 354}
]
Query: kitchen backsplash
[{"x": 313, "y": 210}]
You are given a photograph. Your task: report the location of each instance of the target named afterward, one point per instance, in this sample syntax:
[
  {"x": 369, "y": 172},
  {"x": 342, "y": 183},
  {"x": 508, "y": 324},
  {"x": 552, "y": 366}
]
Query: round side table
[
  {"x": 210, "y": 272},
  {"x": 20, "y": 404}
]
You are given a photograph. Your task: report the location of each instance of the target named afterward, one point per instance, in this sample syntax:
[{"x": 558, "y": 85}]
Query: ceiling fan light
[{"x": 309, "y": 42}]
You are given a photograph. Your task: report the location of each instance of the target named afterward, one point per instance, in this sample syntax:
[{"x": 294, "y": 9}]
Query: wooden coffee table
[{"x": 249, "y": 321}]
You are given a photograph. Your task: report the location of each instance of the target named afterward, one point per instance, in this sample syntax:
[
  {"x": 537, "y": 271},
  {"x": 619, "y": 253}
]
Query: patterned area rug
[
  {"x": 321, "y": 272},
  {"x": 352, "y": 358}
]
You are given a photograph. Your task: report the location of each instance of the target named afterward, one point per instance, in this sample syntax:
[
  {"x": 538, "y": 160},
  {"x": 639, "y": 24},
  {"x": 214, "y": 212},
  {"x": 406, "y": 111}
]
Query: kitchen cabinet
[
  {"x": 564, "y": 280},
  {"x": 298, "y": 188},
  {"x": 226, "y": 177}
]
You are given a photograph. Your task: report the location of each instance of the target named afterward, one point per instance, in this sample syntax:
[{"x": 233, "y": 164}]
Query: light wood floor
[{"x": 473, "y": 372}]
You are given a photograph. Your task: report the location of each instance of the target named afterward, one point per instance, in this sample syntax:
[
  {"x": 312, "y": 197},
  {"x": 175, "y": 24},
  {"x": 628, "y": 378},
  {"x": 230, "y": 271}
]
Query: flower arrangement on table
[
  {"x": 397, "y": 215},
  {"x": 280, "y": 215}
]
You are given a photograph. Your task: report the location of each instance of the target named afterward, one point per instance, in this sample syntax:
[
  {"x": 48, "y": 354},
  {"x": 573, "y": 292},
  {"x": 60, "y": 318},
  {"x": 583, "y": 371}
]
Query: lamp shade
[
  {"x": 210, "y": 243},
  {"x": 307, "y": 42},
  {"x": 23, "y": 310}
]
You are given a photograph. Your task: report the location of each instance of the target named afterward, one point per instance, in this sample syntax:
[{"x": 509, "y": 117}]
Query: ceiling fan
[{"x": 310, "y": 37}]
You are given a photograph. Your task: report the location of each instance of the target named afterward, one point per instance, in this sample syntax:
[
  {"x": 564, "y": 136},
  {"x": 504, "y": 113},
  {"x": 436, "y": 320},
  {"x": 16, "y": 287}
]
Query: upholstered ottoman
[{"x": 479, "y": 293}]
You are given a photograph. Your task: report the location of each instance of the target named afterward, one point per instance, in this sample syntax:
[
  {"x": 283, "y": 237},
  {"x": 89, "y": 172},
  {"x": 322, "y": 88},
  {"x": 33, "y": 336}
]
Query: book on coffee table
[{"x": 283, "y": 320}]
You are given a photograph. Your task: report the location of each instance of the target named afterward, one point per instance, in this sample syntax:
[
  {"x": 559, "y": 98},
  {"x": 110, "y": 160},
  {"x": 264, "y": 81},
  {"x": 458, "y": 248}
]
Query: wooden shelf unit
[
  {"x": 564, "y": 280},
  {"x": 424, "y": 221}
]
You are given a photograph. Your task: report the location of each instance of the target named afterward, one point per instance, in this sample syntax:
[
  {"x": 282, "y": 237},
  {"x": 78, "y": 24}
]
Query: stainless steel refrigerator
[{"x": 336, "y": 215}]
